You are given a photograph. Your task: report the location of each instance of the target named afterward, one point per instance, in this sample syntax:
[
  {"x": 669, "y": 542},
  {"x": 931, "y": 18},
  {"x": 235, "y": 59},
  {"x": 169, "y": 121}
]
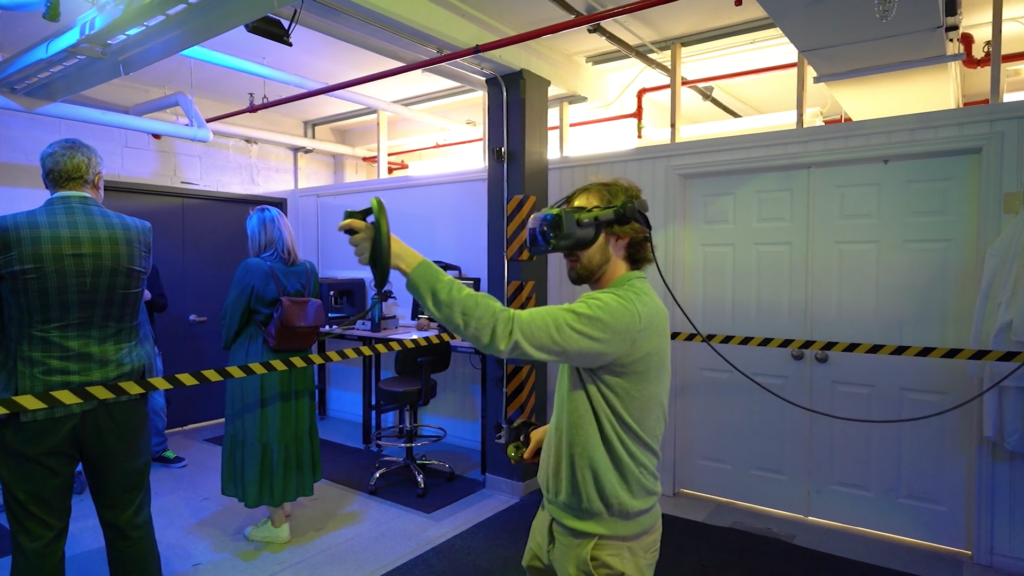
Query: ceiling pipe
[
  {"x": 230, "y": 62},
  {"x": 351, "y": 29},
  {"x": 646, "y": 60},
  {"x": 457, "y": 55},
  {"x": 637, "y": 114},
  {"x": 175, "y": 100},
  {"x": 972, "y": 63},
  {"x": 198, "y": 132},
  {"x": 22, "y": 5},
  {"x": 268, "y": 137}
]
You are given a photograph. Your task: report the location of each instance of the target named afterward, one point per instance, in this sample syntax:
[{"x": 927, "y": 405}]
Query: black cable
[
  {"x": 296, "y": 14},
  {"x": 812, "y": 410}
]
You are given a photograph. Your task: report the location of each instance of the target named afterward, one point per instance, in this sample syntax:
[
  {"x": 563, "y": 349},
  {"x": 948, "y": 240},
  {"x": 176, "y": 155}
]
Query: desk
[{"x": 371, "y": 376}]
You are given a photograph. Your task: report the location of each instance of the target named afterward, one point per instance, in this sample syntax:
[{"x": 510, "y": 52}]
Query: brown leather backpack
[{"x": 297, "y": 321}]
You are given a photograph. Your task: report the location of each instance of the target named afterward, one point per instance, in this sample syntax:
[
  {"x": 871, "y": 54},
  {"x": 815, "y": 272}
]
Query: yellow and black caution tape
[
  {"x": 855, "y": 347},
  {"x": 27, "y": 403}
]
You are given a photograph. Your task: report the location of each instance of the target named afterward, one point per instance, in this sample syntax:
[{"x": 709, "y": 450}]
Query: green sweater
[{"x": 599, "y": 466}]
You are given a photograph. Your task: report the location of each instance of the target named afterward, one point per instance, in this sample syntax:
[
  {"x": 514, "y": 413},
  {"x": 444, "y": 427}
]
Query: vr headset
[{"x": 561, "y": 229}]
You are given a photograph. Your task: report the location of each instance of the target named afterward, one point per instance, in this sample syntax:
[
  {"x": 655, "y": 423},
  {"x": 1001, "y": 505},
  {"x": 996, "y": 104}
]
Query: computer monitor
[{"x": 417, "y": 310}]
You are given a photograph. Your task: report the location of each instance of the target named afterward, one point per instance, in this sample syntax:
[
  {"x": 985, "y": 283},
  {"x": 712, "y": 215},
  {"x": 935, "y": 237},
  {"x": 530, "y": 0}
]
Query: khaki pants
[{"x": 554, "y": 550}]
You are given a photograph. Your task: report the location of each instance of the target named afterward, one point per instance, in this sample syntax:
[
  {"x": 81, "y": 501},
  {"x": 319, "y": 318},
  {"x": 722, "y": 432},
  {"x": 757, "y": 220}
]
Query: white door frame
[{"x": 990, "y": 148}]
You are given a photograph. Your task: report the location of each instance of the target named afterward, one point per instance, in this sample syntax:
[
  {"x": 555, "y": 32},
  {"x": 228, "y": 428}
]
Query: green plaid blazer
[{"x": 72, "y": 276}]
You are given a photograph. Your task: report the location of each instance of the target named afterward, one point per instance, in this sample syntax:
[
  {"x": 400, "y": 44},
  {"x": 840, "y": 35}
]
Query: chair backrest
[{"x": 438, "y": 358}]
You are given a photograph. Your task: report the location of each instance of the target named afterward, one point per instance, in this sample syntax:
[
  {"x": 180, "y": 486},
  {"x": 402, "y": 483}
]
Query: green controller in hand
[{"x": 520, "y": 434}]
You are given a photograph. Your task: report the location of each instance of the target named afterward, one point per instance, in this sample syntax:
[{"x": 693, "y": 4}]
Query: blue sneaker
[{"x": 170, "y": 459}]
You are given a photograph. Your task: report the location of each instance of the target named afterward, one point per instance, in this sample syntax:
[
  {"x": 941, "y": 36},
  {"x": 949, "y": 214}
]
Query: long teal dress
[{"x": 271, "y": 452}]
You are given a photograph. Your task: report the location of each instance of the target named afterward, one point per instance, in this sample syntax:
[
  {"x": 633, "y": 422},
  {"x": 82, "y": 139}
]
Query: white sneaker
[{"x": 265, "y": 532}]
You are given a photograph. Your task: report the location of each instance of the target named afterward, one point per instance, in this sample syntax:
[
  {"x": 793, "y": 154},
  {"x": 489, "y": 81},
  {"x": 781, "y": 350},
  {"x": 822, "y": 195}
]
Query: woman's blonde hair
[{"x": 270, "y": 236}]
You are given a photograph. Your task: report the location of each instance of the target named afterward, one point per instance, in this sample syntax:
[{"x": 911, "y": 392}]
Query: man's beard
[{"x": 590, "y": 267}]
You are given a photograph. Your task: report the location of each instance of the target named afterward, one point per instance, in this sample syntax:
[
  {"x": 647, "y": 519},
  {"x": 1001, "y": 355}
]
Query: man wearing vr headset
[{"x": 599, "y": 469}]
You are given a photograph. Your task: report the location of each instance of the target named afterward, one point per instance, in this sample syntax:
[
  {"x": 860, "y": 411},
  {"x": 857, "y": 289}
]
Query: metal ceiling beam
[
  {"x": 408, "y": 102},
  {"x": 688, "y": 40},
  {"x": 334, "y": 22},
  {"x": 444, "y": 28},
  {"x": 312, "y": 125}
]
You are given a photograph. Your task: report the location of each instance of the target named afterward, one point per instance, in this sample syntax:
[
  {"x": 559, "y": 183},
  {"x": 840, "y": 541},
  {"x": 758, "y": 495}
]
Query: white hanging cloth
[{"x": 999, "y": 325}]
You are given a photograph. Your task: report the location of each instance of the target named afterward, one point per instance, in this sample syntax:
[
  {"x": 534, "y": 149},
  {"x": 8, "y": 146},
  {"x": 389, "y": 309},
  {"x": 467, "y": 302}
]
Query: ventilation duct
[
  {"x": 117, "y": 39},
  {"x": 877, "y": 61}
]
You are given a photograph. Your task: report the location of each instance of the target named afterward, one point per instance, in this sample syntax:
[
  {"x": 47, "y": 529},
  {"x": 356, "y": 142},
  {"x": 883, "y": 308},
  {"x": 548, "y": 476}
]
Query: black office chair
[{"x": 412, "y": 389}]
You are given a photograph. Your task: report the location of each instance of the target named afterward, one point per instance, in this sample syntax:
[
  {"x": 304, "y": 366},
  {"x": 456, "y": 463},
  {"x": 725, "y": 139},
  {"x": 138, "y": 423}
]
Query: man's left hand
[{"x": 146, "y": 296}]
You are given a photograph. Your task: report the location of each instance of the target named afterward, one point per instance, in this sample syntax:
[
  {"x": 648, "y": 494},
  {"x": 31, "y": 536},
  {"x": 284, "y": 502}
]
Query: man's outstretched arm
[{"x": 588, "y": 333}]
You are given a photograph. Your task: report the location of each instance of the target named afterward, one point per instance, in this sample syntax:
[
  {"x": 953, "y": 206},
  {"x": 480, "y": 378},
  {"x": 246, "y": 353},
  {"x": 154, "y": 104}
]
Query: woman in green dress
[{"x": 271, "y": 453}]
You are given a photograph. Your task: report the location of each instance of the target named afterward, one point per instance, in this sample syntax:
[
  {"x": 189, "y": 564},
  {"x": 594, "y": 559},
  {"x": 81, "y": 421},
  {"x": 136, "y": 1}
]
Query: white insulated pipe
[
  {"x": 266, "y": 136},
  {"x": 273, "y": 74},
  {"x": 197, "y": 133},
  {"x": 22, "y": 5}
]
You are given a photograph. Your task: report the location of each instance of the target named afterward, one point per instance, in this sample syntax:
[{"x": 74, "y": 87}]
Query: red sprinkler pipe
[
  {"x": 641, "y": 93},
  {"x": 638, "y": 114},
  {"x": 973, "y": 63},
  {"x": 581, "y": 22}
]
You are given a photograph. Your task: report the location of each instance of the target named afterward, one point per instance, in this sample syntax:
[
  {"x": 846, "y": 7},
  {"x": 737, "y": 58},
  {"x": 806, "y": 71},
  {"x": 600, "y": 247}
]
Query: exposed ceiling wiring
[{"x": 627, "y": 28}]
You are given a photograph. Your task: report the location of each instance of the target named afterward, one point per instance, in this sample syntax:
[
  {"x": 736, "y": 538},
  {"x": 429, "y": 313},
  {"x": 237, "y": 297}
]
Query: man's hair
[
  {"x": 611, "y": 193},
  {"x": 270, "y": 236},
  {"x": 70, "y": 165}
]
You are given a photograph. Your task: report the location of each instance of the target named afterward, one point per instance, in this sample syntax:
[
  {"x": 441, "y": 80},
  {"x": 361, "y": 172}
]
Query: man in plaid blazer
[{"x": 72, "y": 278}]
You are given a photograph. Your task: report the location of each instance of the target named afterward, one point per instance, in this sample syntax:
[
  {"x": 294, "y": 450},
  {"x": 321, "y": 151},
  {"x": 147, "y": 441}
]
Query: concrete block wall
[{"x": 225, "y": 164}]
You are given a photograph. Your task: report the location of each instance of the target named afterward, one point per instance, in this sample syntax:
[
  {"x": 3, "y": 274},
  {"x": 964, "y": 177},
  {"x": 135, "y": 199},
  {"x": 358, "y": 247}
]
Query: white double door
[{"x": 875, "y": 253}]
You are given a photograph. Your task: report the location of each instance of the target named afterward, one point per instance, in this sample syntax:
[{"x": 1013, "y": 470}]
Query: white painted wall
[
  {"x": 443, "y": 217},
  {"x": 226, "y": 165},
  {"x": 994, "y": 132}
]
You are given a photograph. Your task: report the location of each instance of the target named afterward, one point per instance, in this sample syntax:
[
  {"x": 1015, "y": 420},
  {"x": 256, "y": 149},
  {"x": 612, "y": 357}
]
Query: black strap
[
  {"x": 309, "y": 277},
  {"x": 280, "y": 293}
]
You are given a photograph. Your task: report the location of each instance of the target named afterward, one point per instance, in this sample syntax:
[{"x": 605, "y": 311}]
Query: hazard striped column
[{"x": 517, "y": 188}]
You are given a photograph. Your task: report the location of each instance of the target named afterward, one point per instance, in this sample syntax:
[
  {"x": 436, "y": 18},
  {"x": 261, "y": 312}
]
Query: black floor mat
[
  {"x": 352, "y": 467},
  {"x": 495, "y": 547}
]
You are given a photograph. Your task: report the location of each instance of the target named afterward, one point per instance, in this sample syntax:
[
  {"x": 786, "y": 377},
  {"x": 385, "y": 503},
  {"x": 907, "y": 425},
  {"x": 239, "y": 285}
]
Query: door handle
[
  {"x": 821, "y": 356},
  {"x": 193, "y": 319},
  {"x": 797, "y": 354}
]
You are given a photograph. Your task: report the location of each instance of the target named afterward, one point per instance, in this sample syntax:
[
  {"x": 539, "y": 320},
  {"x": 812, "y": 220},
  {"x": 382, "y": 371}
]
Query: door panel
[
  {"x": 215, "y": 244},
  {"x": 198, "y": 243},
  {"x": 893, "y": 258},
  {"x": 164, "y": 214},
  {"x": 746, "y": 254}
]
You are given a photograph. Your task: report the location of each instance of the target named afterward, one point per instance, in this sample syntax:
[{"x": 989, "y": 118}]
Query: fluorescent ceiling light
[{"x": 118, "y": 38}]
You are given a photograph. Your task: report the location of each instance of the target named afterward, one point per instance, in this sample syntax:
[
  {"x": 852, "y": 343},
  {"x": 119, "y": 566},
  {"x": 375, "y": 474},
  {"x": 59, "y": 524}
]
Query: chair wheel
[
  {"x": 371, "y": 490},
  {"x": 421, "y": 492}
]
